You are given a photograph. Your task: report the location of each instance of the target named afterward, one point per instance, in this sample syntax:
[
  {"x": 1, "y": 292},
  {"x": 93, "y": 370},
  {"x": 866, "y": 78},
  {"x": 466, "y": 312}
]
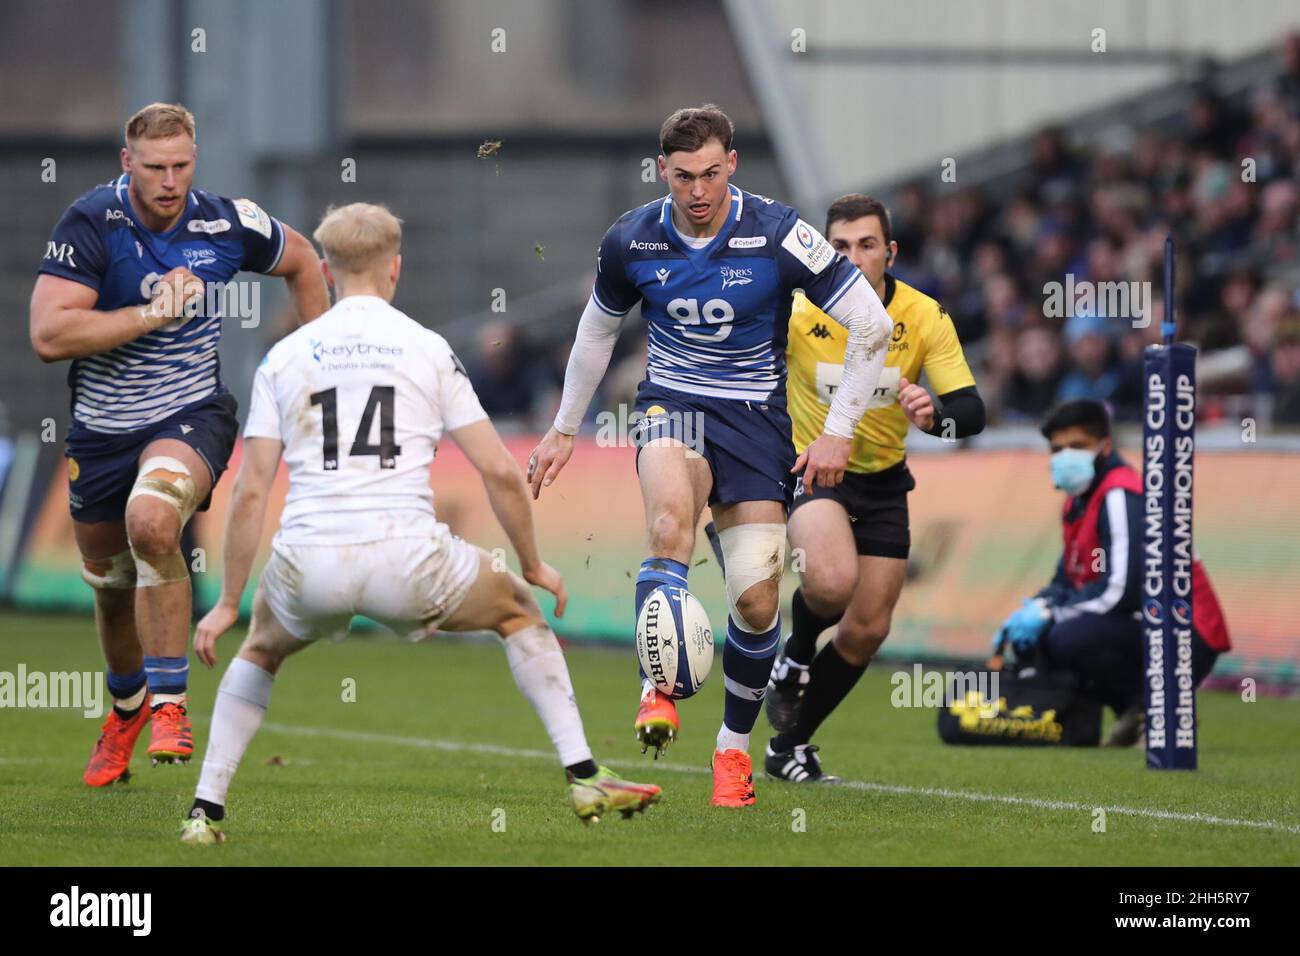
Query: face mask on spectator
[{"x": 1073, "y": 469}]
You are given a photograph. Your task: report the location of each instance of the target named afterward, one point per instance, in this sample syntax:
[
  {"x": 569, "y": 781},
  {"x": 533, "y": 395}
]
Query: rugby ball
[{"x": 674, "y": 641}]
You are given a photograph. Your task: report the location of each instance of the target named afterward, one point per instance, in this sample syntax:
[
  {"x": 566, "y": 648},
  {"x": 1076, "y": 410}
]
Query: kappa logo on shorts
[{"x": 186, "y": 429}]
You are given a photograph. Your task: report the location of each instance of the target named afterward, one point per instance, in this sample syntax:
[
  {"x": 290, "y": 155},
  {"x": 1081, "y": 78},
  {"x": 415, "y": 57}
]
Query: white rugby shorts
[{"x": 408, "y": 584}]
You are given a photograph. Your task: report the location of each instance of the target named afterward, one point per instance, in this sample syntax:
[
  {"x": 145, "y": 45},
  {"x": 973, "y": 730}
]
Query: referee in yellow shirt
[{"x": 854, "y": 536}]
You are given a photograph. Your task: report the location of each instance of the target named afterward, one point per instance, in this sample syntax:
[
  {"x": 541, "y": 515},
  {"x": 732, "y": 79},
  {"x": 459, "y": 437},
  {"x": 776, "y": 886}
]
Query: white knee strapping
[
  {"x": 180, "y": 493},
  {"x": 153, "y": 570},
  {"x": 751, "y": 553},
  {"x": 110, "y": 574}
]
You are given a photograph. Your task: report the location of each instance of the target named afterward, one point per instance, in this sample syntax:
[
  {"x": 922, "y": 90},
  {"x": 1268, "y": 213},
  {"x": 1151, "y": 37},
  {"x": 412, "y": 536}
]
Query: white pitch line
[
  {"x": 941, "y": 792},
  {"x": 1041, "y": 804}
]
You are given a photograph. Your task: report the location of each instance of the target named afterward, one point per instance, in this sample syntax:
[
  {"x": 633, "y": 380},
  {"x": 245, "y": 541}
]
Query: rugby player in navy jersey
[
  {"x": 714, "y": 268},
  {"x": 126, "y": 292}
]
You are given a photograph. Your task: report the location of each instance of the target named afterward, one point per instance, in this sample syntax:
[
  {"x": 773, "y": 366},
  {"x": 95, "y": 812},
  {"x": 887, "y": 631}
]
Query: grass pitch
[{"x": 440, "y": 761}]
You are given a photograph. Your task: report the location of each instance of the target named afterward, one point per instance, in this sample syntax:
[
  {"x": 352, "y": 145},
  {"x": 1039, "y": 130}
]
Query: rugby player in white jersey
[{"x": 356, "y": 404}]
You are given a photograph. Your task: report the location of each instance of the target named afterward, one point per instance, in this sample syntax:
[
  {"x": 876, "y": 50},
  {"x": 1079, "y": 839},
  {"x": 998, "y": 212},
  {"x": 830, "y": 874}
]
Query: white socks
[
  {"x": 242, "y": 699},
  {"x": 542, "y": 676},
  {"x": 727, "y": 739},
  {"x": 134, "y": 702},
  {"x": 730, "y": 740},
  {"x": 536, "y": 662}
]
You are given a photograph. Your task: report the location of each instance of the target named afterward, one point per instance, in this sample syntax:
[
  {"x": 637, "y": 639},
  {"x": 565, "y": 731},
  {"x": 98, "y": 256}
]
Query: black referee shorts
[{"x": 877, "y": 507}]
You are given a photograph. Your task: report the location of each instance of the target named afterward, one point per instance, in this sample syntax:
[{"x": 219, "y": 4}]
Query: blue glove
[
  {"x": 1027, "y": 624},
  {"x": 1002, "y": 631}
]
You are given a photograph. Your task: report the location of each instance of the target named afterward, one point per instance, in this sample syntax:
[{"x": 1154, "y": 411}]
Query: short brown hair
[
  {"x": 359, "y": 236},
  {"x": 160, "y": 121},
  {"x": 855, "y": 206},
  {"x": 689, "y": 129}
]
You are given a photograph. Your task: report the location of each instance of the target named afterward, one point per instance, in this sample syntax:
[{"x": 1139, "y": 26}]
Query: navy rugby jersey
[
  {"x": 718, "y": 316},
  {"x": 100, "y": 243}
]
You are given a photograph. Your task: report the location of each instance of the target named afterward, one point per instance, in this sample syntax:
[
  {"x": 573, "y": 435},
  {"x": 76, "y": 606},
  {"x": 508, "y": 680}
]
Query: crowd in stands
[{"x": 1225, "y": 182}]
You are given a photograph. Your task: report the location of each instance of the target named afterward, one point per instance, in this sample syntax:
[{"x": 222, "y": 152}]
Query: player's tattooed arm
[
  {"x": 64, "y": 323},
  {"x": 243, "y": 532},
  {"x": 300, "y": 268}
]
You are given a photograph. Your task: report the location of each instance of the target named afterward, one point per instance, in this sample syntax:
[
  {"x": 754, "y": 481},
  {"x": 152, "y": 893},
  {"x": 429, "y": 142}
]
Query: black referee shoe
[
  {"x": 784, "y": 694},
  {"x": 1127, "y": 729},
  {"x": 797, "y": 766}
]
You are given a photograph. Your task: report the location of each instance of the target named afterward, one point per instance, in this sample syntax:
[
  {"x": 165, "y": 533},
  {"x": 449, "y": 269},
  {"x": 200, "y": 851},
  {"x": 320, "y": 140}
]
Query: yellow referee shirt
[{"x": 923, "y": 338}]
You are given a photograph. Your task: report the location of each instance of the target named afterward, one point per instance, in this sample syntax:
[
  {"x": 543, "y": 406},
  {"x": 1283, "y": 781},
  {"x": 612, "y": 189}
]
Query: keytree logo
[
  {"x": 103, "y": 909},
  {"x": 82, "y": 690}
]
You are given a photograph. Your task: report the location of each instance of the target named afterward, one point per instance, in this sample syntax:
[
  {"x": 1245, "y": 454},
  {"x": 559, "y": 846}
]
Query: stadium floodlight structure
[{"x": 797, "y": 149}]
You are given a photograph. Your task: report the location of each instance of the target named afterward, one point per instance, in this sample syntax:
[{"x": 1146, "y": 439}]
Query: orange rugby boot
[
  {"x": 111, "y": 758},
  {"x": 733, "y": 779},
  {"x": 170, "y": 738},
  {"x": 656, "y": 722}
]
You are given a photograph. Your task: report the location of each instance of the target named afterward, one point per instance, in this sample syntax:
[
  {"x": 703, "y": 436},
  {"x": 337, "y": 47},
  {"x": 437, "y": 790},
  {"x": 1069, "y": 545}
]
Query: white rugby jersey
[{"x": 360, "y": 398}]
